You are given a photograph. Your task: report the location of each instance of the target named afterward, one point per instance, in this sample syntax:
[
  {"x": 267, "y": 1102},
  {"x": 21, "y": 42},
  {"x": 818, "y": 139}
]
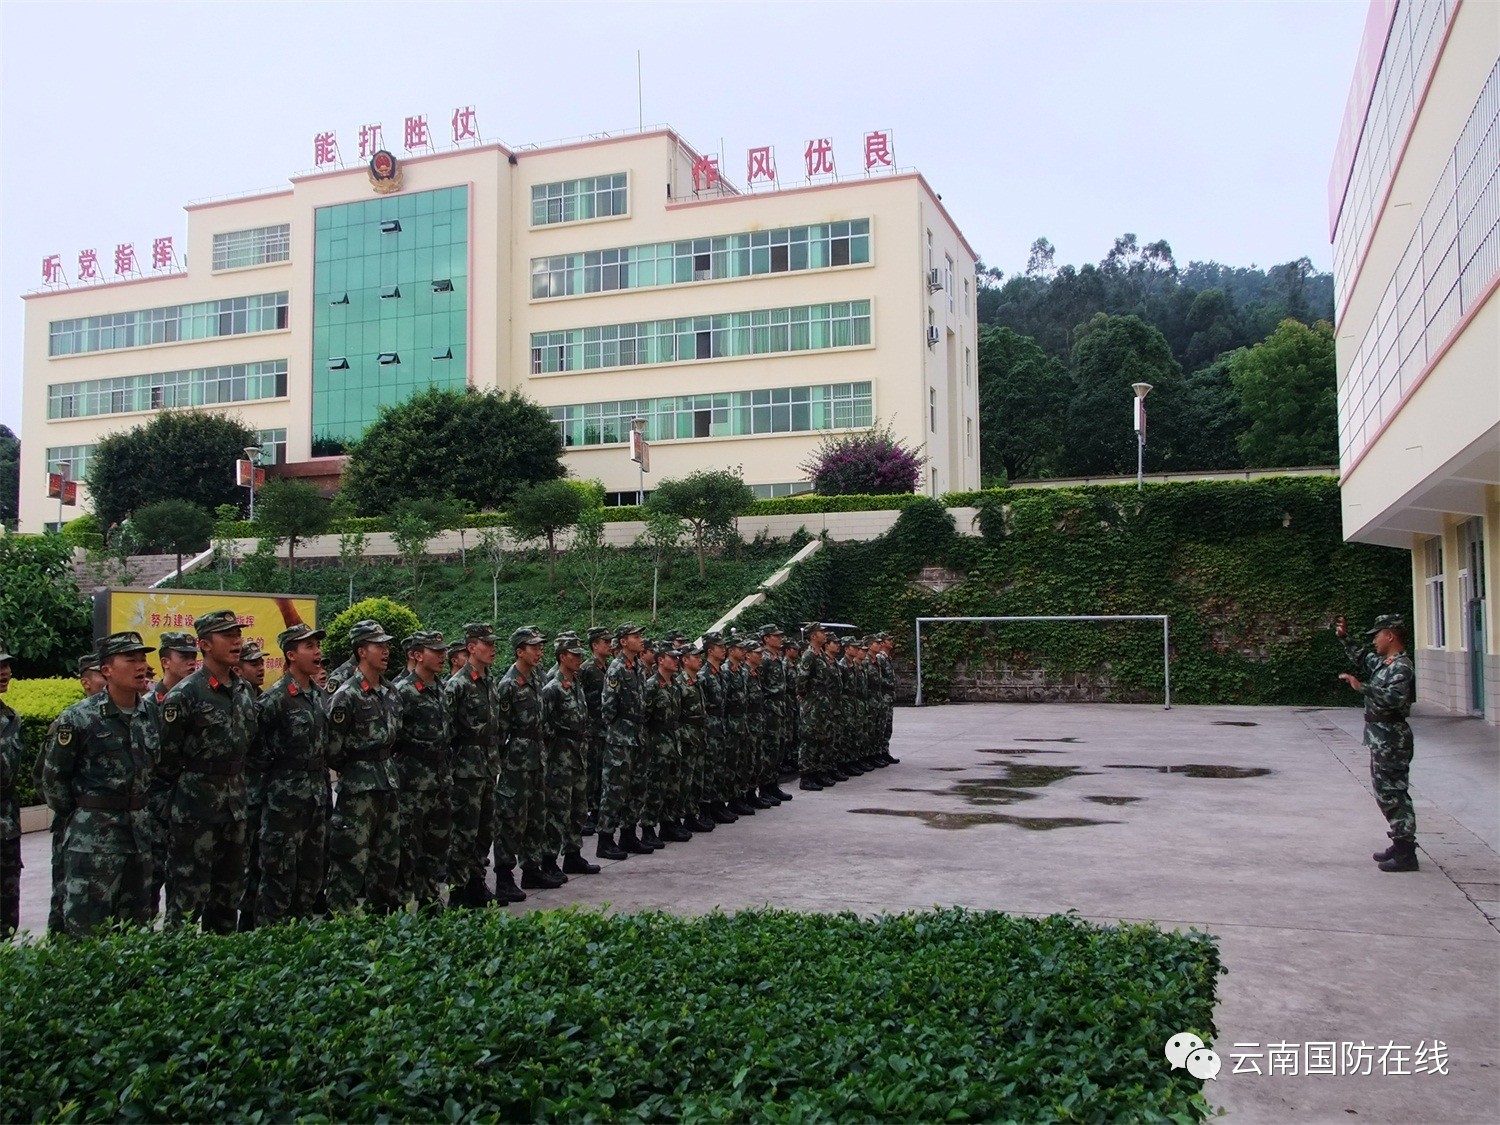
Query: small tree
[
  {"x": 592, "y": 562},
  {"x": 293, "y": 512},
  {"x": 663, "y": 535},
  {"x": 872, "y": 463},
  {"x": 226, "y": 542},
  {"x": 178, "y": 526},
  {"x": 540, "y": 511},
  {"x": 707, "y": 501},
  {"x": 415, "y": 524},
  {"x": 496, "y": 551},
  {"x": 353, "y": 543}
]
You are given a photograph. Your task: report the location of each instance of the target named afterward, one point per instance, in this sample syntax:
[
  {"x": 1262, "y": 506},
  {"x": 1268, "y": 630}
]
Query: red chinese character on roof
[
  {"x": 88, "y": 265},
  {"x": 819, "y": 156},
  {"x": 705, "y": 172},
  {"x": 369, "y": 141},
  {"x": 162, "y": 255},
  {"x": 325, "y": 149},
  {"x": 125, "y": 259},
  {"x": 465, "y": 124},
  {"x": 416, "y": 133},
  {"x": 52, "y": 273},
  {"x": 878, "y": 150},
  {"x": 761, "y": 165}
]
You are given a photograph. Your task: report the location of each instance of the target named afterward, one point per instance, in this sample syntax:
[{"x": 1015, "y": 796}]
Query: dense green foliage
[
  {"x": 477, "y": 447},
  {"x": 569, "y": 1015},
  {"x": 10, "y": 476},
  {"x": 395, "y": 618},
  {"x": 1288, "y": 387},
  {"x": 179, "y": 454},
  {"x": 38, "y": 702},
  {"x": 707, "y": 501},
  {"x": 1113, "y": 353},
  {"x": 291, "y": 512},
  {"x": 44, "y": 619},
  {"x": 1252, "y": 575},
  {"x": 540, "y": 511},
  {"x": 174, "y": 527}
]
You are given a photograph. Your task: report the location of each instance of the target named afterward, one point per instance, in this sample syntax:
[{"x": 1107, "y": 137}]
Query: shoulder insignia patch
[
  {"x": 340, "y": 716},
  {"x": 64, "y": 735},
  {"x": 169, "y": 713}
]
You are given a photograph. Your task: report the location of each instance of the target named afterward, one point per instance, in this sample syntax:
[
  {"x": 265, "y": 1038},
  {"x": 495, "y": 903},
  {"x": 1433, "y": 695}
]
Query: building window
[
  {"x": 968, "y": 367},
  {"x": 931, "y": 264},
  {"x": 1470, "y": 575},
  {"x": 966, "y": 296},
  {"x": 199, "y": 386},
  {"x": 932, "y": 409},
  {"x": 272, "y": 446},
  {"x": 1437, "y": 629},
  {"x": 841, "y": 324},
  {"x": 948, "y": 280},
  {"x": 256, "y": 247},
  {"x": 233, "y": 316},
  {"x": 787, "y": 250},
  {"x": 776, "y": 491},
  {"x": 72, "y": 461},
  {"x": 969, "y": 437},
  {"x": 782, "y": 410},
  {"x": 568, "y": 201}
]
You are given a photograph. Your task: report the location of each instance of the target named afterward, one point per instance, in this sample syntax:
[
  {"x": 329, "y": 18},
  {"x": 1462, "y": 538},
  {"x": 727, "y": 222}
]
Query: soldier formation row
[{"x": 219, "y": 791}]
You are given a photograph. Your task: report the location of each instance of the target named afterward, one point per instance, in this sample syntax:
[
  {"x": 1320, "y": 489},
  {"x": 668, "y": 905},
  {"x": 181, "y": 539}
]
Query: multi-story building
[
  {"x": 1415, "y": 211},
  {"x": 602, "y": 279}
]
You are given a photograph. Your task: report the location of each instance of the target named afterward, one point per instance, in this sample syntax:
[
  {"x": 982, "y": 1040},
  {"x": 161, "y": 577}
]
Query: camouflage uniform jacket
[
  {"x": 422, "y": 747},
  {"x": 692, "y": 707},
  {"x": 474, "y": 723},
  {"x": 712, "y": 684},
  {"x": 519, "y": 701},
  {"x": 565, "y": 715},
  {"x": 620, "y": 704},
  {"x": 364, "y": 720},
  {"x": 1390, "y": 682},
  {"x": 10, "y": 768},
  {"x": 818, "y": 686},
  {"x": 663, "y": 709},
  {"x": 773, "y": 686},
  {"x": 96, "y": 773},
  {"x": 292, "y": 751},
  {"x": 341, "y": 675},
  {"x": 887, "y": 672},
  {"x": 208, "y": 729},
  {"x": 736, "y": 683},
  {"x": 755, "y": 699},
  {"x": 591, "y": 678}
]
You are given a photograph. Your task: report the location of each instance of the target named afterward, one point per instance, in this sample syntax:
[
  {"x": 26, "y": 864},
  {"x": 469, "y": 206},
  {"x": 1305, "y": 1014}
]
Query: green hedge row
[
  {"x": 38, "y": 702},
  {"x": 572, "y": 1015}
]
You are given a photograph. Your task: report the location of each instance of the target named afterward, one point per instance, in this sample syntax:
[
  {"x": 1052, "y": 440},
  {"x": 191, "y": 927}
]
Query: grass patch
[{"x": 946, "y": 1015}]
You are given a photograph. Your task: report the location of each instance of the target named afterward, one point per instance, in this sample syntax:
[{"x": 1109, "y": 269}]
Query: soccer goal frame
[{"x": 1166, "y": 638}]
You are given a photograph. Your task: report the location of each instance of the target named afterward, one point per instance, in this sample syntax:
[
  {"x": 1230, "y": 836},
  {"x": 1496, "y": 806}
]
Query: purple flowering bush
[{"x": 871, "y": 463}]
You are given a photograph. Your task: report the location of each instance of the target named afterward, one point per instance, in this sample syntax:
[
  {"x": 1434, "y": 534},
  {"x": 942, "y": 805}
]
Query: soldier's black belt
[
  {"x": 426, "y": 757},
  {"x": 1384, "y": 717},
  {"x": 288, "y": 765},
  {"x": 217, "y": 769},
  {"x": 384, "y": 755},
  {"x": 112, "y": 804}
]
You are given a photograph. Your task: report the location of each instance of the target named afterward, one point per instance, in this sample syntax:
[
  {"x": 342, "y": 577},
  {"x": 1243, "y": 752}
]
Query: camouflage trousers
[
  {"x": 643, "y": 781},
  {"x": 713, "y": 763},
  {"x": 691, "y": 795},
  {"x": 615, "y": 783},
  {"x": 104, "y": 887},
  {"x": 364, "y": 851},
  {"x": 472, "y": 801},
  {"x": 595, "y": 768},
  {"x": 771, "y": 739},
  {"x": 662, "y": 787},
  {"x": 293, "y": 845},
  {"x": 426, "y": 829},
  {"x": 10, "y": 886},
  {"x": 60, "y": 877},
  {"x": 255, "y": 808},
  {"x": 732, "y": 752},
  {"x": 814, "y": 754},
  {"x": 567, "y": 795},
  {"x": 1390, "y": 770},
  {"x": 206, "y": 873},
  {"x": 521, "y": 813}
]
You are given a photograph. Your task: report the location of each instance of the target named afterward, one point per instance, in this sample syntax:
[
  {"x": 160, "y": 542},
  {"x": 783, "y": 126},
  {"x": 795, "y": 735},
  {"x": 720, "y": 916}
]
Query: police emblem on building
[{"x": 386, "y": 175}]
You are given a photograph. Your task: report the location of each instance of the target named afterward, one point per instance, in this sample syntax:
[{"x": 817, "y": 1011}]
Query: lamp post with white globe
[{"x": 1141, "y": 391}]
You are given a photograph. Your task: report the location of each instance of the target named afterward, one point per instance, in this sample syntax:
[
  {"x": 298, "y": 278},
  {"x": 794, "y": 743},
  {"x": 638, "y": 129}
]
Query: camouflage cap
[
  {"x": 734, "y": 640},
  {"x": 598, "y": 633},
  {"x": 667, "y": 648},
  {"x": 812, "y": 627},
  {"x": 4, "y": 656},
  {"x": 771, "y": 631},
  {"x": 457, "y": 646},
  {"x": 1387, "y": 621},
  {"x": 368, "y": 633},
  {"x": 479, "y": 631},
  {"x": 568, "y": 645},
  {"x": 216, "y": 621},
  {"x": 289, "y": 638},
  {"x": 426, "y": 638},
  {"x": 690, "y": 649},
  {"x": 251, "y": 652},
  {"x": 629, "y": 627},
  {"x": 527, "y": 635},
  {"x": 122, "y": 644},
  {"x": 674, "y": 635},
  {"x": 180, "y": 642},
  {"x": 88, "y": 662},
  {"x": 711, "y": 638},
  {"x": 753, "y": 646}
]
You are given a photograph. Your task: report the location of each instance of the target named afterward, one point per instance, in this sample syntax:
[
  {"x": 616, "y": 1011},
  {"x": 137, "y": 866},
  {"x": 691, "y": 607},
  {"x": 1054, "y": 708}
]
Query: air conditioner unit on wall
[
  {"x": 934, "y": 335},
  {"x": 934, "y": 280}
]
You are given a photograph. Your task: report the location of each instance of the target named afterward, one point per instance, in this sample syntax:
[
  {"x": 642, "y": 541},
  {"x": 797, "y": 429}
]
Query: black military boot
[
  {"x": 458, "y": 898},
  {"x": 1405, "y": 858},
  {"x": 720, "y": 814},
  {"x": 588, "y": 825},
  {"x": 531, "y": 879},
  {"x": 753, "y": 798},
  {"x": 890, "y": 761},
  {"x": 837, "y": 773},
  {"x": 779, "y": 793},
  {"x": 551, "y": 868},
  {"x": 505, "y": 887},
  {"x": 672, "y": 833},
  {"x": 740, "y": 808},
  {"x": 630, "y": 844},
  {"x": 1381, "y": 857},
  {"x": 811, "y": 783},
  {"x": 651, "y": 839},
  {"x": 700, "y": 823},
  {"x": 574, "y": 864},
  {"x": 608, "y": 849}
]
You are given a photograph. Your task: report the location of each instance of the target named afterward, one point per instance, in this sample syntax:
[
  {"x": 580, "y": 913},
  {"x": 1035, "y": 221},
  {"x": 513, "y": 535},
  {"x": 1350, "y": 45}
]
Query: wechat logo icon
[{"x": 1186, "y": 1049}]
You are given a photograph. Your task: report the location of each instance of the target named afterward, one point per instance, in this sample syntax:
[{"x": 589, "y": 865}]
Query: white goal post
[{"x": 1166, "y": 638}]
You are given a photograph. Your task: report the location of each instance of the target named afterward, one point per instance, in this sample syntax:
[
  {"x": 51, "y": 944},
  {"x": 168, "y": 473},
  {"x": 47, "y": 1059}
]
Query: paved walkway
[{"x": 1039, "y": 809}]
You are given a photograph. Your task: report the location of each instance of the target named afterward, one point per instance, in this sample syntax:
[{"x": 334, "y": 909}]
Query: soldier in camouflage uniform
[
  {"x": 364, "y": 837},
  {"x": 736, "y": 680},
  {"x": 711, "y": 679},
  {"x": 591, "y": 676},
  {"x": 178, "y": 655},
  {"x": 97, "y": 770},
  {"x": 620, "y": 708},
  {"x": 565, "y": 729},
  {"x": 791, "y": 653},
  {"x": 252, "y": 669},
  {"x": 521, "y": 799},
  {"x": 692, "y": 735},
  {"x": 208, "y": 730},
  {"x": 887, "y": 670},
  {"x": 10, "y": 807},
  {"x": 778, "y": 692},
  {"x": 292, "y": 766},
  {"x": 817, "y": 693},
  {"x": 458, "y": 656},
  {"x": 755, "y": 724},
  {"x": 1388, "y": 692},
  {"x": 91, "y": 680},
  {"x": 856, "y": 695},
  {"x": 425, "y": 772},
  {"x": 661, "y": 704},
  {"x": 475, "y": 758}
]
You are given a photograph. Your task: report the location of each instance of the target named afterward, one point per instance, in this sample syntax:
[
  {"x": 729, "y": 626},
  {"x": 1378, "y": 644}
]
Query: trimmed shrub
[
  {"x": 574, "y": 1015},
  {"x": 395, "y": 618},
  {"x": 38, "y": 702}
]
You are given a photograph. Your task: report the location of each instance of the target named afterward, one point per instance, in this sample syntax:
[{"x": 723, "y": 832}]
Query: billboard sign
[{"x": 153, "y": 612}]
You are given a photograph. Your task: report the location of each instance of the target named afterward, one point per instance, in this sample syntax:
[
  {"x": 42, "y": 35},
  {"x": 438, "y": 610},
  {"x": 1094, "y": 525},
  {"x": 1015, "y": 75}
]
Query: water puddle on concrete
[
  {"x": 1202, "y": 771},
  {"x": 1014, "y": 786},
  {"x": 1017, "y": 750},
  {"x": 953, "y": 821},
  {"x": 1070, "y": 739},
  {"x": 1233, "y": 723},
  {"x": 1114, "y": 800},
  {"x": 948, "y": 769}
]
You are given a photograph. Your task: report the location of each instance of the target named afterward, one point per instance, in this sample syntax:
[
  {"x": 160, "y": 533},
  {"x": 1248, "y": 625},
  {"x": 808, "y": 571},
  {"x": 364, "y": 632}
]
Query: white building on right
[{"x": 1414, "y": 202}]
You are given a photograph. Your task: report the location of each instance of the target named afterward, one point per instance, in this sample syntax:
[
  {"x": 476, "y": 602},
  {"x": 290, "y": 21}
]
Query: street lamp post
[
  {"x": 252, "y": 454},
  {"x": 638, "y": 425},
  {"x": 1141, "y": 391}
]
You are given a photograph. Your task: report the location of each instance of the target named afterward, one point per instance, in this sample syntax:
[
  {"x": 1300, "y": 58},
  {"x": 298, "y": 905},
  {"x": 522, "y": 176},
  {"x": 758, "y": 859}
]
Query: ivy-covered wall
[{"x": 1253, "y": 575}]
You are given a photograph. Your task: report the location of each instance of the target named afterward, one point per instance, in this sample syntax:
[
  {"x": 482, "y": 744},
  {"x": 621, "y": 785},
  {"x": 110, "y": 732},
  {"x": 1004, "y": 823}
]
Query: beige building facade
[
  {"x": 608, "y": 280},
  {"x": 1415, "y": 207}
]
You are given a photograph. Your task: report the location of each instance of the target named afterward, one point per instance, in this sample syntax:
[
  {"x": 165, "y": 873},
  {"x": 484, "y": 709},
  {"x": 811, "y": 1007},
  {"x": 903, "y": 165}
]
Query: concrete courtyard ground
[{"x": 1040, "y": 809}]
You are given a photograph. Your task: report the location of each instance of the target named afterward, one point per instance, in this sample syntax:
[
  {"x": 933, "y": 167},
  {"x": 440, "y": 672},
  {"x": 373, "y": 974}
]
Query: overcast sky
[{"x": 1211, "y": 125}]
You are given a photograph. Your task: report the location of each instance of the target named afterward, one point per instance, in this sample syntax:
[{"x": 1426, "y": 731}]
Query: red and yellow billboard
[{"x": 153, "y": 612}]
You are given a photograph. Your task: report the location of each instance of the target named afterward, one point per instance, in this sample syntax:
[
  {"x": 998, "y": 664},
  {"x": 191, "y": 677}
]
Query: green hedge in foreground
[{"x": 946, "y": 1015}]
